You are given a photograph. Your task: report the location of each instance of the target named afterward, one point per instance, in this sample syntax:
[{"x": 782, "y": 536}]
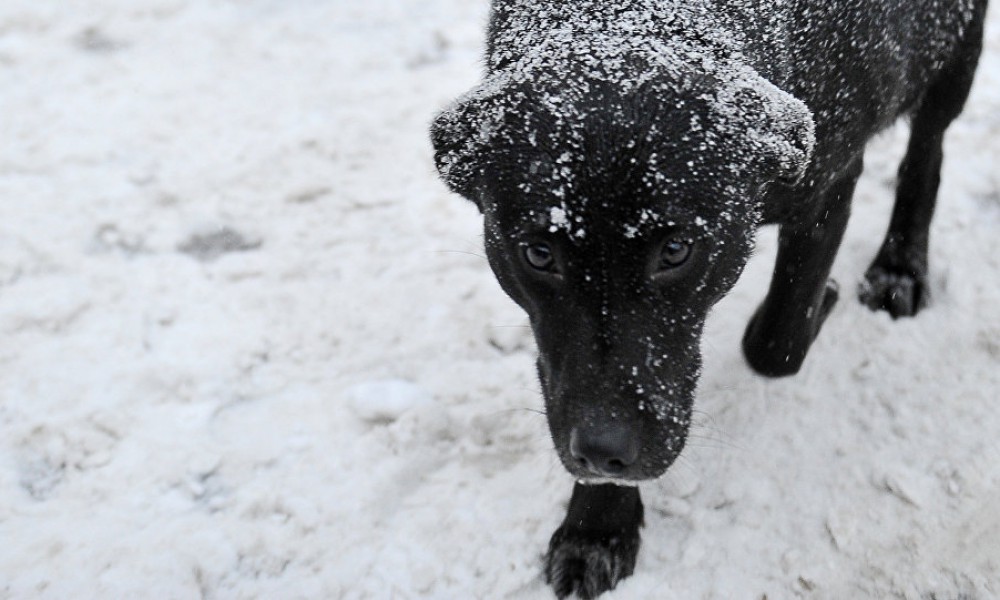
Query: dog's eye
[
  {"x": 539, "y": 256},
  {"x": 674, "y": 253}
]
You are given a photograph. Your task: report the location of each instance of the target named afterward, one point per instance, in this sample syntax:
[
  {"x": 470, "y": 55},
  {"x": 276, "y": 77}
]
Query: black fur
[
  {"x": 597, "y": 543},
  {"x": 610, "y": 134}
]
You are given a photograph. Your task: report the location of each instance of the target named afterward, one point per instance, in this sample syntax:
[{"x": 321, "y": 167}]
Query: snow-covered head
[
  {"x": 553, "y": 63},
  {"x": 620, "y": 183}
]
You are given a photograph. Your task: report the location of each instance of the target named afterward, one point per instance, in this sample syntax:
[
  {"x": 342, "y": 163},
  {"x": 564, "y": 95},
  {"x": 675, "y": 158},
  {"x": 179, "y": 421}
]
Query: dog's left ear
[
  {"x": 461, "y": 135},
  {"x": 778, "y": 126}
]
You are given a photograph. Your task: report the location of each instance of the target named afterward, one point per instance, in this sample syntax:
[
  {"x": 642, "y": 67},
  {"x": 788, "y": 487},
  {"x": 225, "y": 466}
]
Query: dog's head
[{"x": 617, "y": 218}]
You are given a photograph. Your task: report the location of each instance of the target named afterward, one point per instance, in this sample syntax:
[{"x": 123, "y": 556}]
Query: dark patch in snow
[
  {"x": 93, "y": 40},
  {"x": 435, "y": 52},
  {"x": 258, "y": 562},
  {"x": 40, "y": 477},
  {"x": 309, "y": 195},
  {"x": 208, "y": 490},
  {"x": 509, "y": 339},
  {"x": 210, "y": 245},
  {"x": 109, "y": 238}
]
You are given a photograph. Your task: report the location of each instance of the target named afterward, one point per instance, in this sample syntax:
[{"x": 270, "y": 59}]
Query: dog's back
[{"x": 860, "y": 64}]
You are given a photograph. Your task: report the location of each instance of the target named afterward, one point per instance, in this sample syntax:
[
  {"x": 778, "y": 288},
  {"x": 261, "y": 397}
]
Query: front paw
[
  {"x": 776, "y": 345},
  {"x": 588, "y": 563},
  {"x": 901, "y": 292}
]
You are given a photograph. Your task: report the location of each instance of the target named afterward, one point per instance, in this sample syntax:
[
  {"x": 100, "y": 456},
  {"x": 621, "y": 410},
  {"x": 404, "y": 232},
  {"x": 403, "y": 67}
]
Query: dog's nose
[{"x": 606, "y": 450}]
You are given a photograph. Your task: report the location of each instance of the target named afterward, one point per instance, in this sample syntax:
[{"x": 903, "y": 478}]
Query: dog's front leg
[
  {"x": 597, "y": 543},
  {"x": 800, "y": 296}
]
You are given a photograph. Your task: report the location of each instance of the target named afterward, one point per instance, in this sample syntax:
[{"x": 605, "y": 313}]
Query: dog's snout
[{"x": 607, "y": 450}]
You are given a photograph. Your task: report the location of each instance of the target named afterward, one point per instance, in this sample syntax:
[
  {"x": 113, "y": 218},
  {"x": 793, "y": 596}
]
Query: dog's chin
[
  {"x": 594, "y": 480},
  {"x": 629, "y": 478}
]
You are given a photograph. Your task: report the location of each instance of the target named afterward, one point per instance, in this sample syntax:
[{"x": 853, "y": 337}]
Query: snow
[
  {"x": 386, "y": 400},
  {"x": 249, "y": 346}
]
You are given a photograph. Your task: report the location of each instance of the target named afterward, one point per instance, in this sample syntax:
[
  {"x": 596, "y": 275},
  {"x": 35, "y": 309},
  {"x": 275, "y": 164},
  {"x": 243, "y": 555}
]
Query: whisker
[
  {"x": 684, "y": 462},
  {"x": 718, "y": 436},
  {"x": 712, "y": 438},
  {"x": 476, "y": 254},
  {"x": 517, "y": 408}
]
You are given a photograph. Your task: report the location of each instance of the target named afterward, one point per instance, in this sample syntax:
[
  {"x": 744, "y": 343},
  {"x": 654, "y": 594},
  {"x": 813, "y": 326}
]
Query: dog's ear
[
  {"x": 455, "y": 155},
  {"x": 778, "y": 127},
  {"x": 461, "y": 135}
]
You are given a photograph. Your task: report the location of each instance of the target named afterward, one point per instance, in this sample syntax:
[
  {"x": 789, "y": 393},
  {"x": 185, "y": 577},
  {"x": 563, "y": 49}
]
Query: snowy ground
[{"x": 249, "y": 347}]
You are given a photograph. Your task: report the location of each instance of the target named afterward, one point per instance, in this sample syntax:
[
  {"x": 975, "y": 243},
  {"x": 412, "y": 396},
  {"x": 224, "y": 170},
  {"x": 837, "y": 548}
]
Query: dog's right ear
[
  {"x": 462, "y": 135},
  {"x": 457, "y": 151}
]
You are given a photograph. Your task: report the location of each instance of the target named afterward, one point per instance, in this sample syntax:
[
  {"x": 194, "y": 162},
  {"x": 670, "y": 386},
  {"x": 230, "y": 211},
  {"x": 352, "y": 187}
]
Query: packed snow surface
[{"x": 249, "y": 347}]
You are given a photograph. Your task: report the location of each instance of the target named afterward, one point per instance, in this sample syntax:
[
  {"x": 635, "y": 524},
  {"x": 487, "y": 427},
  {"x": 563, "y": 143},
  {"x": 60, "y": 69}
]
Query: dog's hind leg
[
  {"x": 598, "y": 541},
  {"x": 896, "y": 281},
  {"x": 801, "y": 295}
]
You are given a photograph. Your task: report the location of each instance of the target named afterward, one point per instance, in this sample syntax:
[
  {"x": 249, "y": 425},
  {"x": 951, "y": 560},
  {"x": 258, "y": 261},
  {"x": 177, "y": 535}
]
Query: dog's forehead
[
  {"x": 643, "y": 191},
  {"x": 630, "y": 168},
  {"x": 651, "y": 146}
]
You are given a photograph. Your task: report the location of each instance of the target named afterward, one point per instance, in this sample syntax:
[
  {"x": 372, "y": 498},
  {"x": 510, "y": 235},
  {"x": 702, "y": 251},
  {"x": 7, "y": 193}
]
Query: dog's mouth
[{"x": 611, "y": 480}]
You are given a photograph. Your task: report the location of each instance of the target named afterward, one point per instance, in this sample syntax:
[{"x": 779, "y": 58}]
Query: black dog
[{"x": 624, "y": 153}]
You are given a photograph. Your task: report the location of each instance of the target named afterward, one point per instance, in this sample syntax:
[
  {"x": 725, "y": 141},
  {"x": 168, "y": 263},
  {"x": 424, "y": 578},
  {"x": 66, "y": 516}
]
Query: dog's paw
[
  {"x": 900, "y": 292},
  {"x": 777, "y": 348},
  {"x": 589, "y": 564}
]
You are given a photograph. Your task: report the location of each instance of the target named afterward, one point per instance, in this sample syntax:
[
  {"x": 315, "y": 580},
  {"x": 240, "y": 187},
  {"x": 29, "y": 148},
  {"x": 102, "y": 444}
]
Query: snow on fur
[{"x": 556, "y": 54}]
